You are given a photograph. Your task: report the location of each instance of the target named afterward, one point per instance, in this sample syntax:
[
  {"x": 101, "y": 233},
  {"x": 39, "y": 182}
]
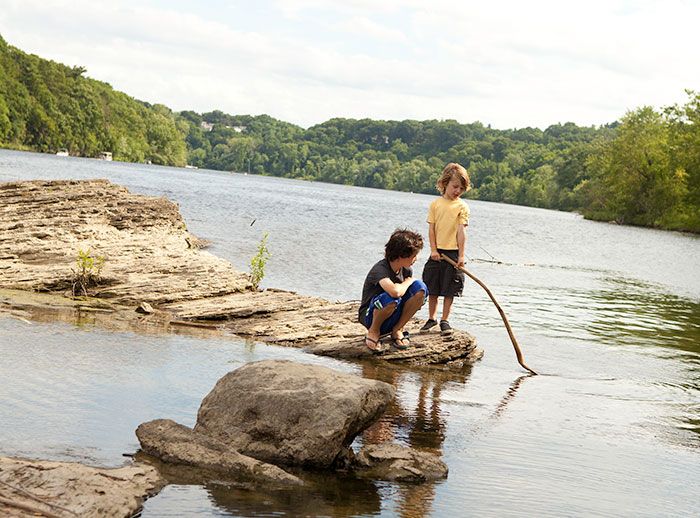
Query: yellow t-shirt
[{"x": 448, "y": 215}]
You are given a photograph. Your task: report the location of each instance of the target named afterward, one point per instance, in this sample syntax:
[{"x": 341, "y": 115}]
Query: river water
[{"x": 609, "y": 315}]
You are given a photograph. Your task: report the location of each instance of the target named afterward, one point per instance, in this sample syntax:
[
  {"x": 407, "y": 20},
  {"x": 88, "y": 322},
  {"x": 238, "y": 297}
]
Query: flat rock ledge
[
  {"x": 152, "y": 262},
  {"x": 66, "y": 489},
  {"x": 272, "y": 414}
]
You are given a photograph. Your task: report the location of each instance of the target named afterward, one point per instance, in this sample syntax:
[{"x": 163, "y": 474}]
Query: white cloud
[
  {"x": 510, "y": 64},
  {"x": 363, "y": 27}
]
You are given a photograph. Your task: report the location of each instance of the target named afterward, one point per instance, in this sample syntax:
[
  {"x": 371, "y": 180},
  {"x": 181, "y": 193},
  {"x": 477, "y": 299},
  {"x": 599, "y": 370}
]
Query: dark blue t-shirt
[{"x": 371, "y": 288}]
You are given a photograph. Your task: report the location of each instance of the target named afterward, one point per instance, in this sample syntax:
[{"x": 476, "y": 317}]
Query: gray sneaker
[
  {"x": 429, "y": 325},
  {"x": 445, "y": 327}
]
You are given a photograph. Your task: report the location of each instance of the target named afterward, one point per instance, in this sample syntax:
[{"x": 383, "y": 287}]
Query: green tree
[{"x": 634, "y": 181}]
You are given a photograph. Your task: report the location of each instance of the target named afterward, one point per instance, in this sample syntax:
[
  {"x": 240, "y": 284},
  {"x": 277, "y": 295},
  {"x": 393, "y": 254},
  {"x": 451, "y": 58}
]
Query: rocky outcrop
[
  {"x": 153, "y": 263},
  {"x": 174, "y": 443},
  {"x": 45, "y": 488},
  {"x": 289, "y": 413},
  {"x": 149, "y": 255},
  {"x": 388, "y": 461}
]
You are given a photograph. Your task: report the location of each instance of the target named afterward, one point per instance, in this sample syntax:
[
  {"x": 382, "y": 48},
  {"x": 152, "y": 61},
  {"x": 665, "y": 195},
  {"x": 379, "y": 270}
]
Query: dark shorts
[
  {"x": 443, "y": 279},
  {"x": 383, "y": 299}
]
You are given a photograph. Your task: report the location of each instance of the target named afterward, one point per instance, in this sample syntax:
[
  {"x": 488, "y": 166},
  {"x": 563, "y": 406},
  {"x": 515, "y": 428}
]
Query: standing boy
[
  {"x": 390, "y": 295},
  {"x": 448, "y": 217}
]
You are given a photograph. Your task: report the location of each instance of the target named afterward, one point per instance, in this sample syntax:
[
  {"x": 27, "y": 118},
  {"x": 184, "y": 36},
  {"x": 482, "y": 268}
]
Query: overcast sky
[{"x": 510, "y": 64}]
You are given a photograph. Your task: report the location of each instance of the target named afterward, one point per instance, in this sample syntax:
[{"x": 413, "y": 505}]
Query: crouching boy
[{"x": 390, "y": 295}]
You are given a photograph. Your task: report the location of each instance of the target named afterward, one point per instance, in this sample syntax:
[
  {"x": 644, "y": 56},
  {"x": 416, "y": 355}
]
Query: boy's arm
[
  {"x": 434, "y": 254},
  {"x": 461, "y": 244},
  {"x": 395, "y": 289}
]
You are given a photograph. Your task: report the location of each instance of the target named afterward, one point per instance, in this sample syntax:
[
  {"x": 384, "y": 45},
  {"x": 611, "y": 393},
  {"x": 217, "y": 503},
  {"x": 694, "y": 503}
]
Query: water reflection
[
  {"x": 630, "y": 312},
  {"x": 510, "y": 395},
  {"x": 420, "y": 424},
  {"x": 324, "y": 494}
]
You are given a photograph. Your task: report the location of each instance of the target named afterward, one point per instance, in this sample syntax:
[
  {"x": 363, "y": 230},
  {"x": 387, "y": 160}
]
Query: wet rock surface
[
  {"x": 389, "y": 461},
  {"x": 45, "y": 488}
]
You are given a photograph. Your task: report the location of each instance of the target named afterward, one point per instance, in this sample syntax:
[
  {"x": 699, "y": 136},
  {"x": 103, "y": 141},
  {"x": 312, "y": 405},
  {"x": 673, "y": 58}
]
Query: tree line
[{"x": 641, "y": 170}]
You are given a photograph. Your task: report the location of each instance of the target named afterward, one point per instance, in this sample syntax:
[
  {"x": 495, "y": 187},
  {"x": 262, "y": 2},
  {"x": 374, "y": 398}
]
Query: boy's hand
[
  {"x": 460, "y": 262},
  {"x": 435, "y": 256}
]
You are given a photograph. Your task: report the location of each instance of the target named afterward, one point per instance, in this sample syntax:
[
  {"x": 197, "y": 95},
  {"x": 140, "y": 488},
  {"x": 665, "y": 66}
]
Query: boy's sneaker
[
  {"x": 429, "y": 325},
  {"x": 445, "y": 328}
]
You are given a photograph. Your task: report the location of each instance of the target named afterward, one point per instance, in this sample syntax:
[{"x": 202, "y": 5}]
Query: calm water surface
[{"x": 609, "y": 314}]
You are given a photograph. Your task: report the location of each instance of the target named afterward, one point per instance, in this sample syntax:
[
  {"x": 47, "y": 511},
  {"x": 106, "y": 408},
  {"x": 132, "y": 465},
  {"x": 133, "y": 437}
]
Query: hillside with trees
[
  {"x": 642, "y": 170},
  {"x": 46, "y": 106}
]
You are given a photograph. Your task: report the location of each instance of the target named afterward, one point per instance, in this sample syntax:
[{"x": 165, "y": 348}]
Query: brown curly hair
[{"x": 403, "y": 243}]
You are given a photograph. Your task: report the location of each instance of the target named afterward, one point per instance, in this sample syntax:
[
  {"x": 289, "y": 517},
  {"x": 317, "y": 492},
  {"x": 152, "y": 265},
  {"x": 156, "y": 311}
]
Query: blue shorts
[{"x": 383, "y": 299}]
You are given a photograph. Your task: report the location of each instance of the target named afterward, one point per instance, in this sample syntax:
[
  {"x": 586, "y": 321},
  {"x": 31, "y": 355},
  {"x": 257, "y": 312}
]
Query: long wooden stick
[{"x": 518, "y": 353}]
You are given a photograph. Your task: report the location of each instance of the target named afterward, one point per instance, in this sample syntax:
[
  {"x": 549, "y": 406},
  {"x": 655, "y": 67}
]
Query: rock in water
[
  {"x": 393, "y": 462},
  {"x": 293, "y": 414},
  {"x": 174, "y": 443}
]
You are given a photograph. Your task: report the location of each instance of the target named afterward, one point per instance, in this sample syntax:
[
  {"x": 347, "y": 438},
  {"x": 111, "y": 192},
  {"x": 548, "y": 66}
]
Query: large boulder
[
  {"x": 177, "y": 444},
  {"x": 288, "y": 413}
]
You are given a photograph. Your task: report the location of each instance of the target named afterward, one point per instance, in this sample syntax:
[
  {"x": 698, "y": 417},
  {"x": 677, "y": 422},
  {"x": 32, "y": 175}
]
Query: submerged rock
[
  {"x": 288, "y": 413},
  {"x": 71, "y": 489},
  {"x": 177, "y": 444},
  {"x": 388, "y": 461}
]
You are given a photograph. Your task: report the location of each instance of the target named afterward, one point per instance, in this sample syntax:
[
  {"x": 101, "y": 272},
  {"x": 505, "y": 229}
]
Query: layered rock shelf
[{"x": 152, "y": 261}]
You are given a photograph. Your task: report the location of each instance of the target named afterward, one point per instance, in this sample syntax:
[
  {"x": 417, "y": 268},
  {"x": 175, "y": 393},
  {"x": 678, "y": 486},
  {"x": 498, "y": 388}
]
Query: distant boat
[
  {"x": 62, "y": 152},
  {"x": 105, "y": 155},
  {"x": 188, "y": 166}
]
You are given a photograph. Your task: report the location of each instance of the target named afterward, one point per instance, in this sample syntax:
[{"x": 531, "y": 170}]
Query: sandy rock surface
[
  {"x": 149, "y": 255},
  {"x": 67, "y": 489}
]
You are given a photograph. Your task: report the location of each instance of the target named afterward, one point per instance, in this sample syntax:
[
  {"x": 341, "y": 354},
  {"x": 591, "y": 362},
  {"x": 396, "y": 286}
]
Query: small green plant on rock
[
  {"x": 258, "y": 262},
  {"x": 87, "y": 273}
]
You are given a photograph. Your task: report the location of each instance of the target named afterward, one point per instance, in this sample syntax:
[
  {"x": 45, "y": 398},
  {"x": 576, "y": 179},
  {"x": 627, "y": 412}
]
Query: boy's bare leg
[
  {"x": 410, "y": 307},
  {"x": 378, "y": 318},
  {"x": 432, "y": 306},
  {"x": 446, "y": 307}
]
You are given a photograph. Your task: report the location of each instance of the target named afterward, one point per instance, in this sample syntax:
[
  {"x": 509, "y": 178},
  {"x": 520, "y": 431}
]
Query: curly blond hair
[{"x": 449, "y": 173}]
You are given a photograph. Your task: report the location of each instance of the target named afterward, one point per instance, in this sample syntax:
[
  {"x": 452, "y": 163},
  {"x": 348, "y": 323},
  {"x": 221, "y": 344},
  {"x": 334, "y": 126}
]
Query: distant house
[
  {"x": 206, "y": 126},
  {"x": 238, "y": 129}
]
